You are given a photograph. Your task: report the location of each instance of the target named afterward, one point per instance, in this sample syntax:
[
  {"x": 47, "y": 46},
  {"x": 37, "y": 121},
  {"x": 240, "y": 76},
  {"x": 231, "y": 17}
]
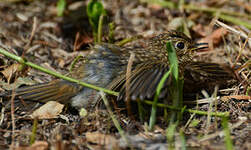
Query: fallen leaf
[
  {"x": 99, "y": 138},
  {"x": 38, "y": 145},
  {"x": 81, "y": 40},
  {"x": 199, "y": 29},
  {"x": 9, "y": 71},
  {"x": 238, "y": 97},
  {"x": 49, "y": 110},
  {"x": 17, "y": 83},
  {"x": 176, "y": 23},
  {"x": 155, "y": 7},
  {"x": 214, "y": 38}
]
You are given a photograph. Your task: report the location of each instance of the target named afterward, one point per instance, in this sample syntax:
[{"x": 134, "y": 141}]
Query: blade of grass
[
  {"x": 170, "y": 134},
  {"x": 111, "y": 32},
  {"x": 115, "y": 121},
  {"x": 226, "y": 15},
  {"x": 235, "y": 20},
  {"x": 177, "y": 83},
  {"x": 162, "y": 3},
  {"x": 100, "y": 27},
  {"x": 127, "y": 40},
  {"x": 198, "y": 112},
  {"x": 228, "y": 140},
  {"x": 173, "y": 60},
  {"x": 34, "y": 130},
  {"x": 154, "y": 105},
  {"x": 183, "y": 140},
  {"x": 61, "y": 4},
  {"x": 214, "y": 10},
  {"x": 95, "y": 10},
  {"x": 74, "y": 62},
  {"x": 140, "y": 110}
]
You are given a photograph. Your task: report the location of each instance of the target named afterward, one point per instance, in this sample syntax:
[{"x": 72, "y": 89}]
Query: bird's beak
[
  {"x": 200, "y": 46},
  {"x": 197, "y": 47}
]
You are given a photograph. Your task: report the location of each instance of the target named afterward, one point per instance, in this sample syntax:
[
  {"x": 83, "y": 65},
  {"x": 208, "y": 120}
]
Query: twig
[
  {"x": 211, "y": 108},
  {"x": 13, "y": 117},
  {"x": 217, "y": 133},
  {"x": 2, "y": 115},
  {"x": 128, "y": 74},
  {"x": 191, "y": 116},
  {"x": 75, "y": 45},
  {"x": 235, "y": 21},
  {"x": 233, "y": 30},
  {"x": 127, "y": 40},
  {"x": 241, "y": 49},
  {"x": 34, "y": 27}
]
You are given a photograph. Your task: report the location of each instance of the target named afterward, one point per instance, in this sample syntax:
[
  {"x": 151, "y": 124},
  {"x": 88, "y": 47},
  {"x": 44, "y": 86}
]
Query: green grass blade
[
  {"x": 61, "y": 4},
  {"x": 154, "y": 106},
  {"x": 228, "y": 140},
  {"x": 173, "y": 60}
]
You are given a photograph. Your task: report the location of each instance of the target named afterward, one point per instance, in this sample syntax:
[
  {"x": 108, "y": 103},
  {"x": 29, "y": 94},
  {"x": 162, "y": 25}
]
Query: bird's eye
[{"x": 180, "y": 45}]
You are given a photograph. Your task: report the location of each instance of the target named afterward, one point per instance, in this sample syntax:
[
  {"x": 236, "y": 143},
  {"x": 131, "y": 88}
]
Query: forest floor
[{"x": 33, "y": 30}]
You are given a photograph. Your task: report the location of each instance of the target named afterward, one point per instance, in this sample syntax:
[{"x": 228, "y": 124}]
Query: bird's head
[{"x": 184, "y": 46}]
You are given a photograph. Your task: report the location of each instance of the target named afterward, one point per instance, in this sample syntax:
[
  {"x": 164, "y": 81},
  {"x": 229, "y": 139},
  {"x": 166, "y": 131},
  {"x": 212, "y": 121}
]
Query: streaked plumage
[{"x": 106, "y": 67}]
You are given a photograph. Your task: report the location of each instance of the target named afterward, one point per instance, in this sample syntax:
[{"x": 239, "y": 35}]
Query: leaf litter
[{"x": 56, "y": 41}]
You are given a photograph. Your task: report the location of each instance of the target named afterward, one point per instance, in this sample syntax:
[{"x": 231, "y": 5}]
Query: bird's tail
[{"x": 60, "y": 91}]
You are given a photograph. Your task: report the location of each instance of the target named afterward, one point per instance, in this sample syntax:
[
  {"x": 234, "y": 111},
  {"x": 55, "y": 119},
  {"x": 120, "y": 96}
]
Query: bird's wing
[
  {"x": 143, "y": 82},
  {"x": 203, "y": 75},
  {"x": 208, "y": 71}
]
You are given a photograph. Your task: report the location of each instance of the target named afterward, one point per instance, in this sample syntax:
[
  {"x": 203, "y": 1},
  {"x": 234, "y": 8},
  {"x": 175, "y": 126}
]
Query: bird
[{"x": 106, "y": 66}]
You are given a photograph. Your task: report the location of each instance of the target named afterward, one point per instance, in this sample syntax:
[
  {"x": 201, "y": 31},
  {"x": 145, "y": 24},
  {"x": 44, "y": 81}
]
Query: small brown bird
[{"x": 106, "y": 67}]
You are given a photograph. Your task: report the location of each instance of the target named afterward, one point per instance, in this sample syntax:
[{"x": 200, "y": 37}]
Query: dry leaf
[
  {"x": 99, "y": 138},
  {"x": 17, "y": 83},
  {"x": 81, "y": 40},
  {"x": 199, "y": 29},
  {"x": 48, "y": 111},
  {"x": 215, "y": 37},
  {"x": 9, "y": 71},
  {"x": 238, "y": 97},
  {"x": 38, "y": 145}
]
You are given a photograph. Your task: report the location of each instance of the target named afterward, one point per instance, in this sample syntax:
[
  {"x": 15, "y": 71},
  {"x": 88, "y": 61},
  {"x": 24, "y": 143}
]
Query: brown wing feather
[
  {"x": 60, "y": 91},
  {"x": 203, "y": 75},
  {"x": 143, "y": 82},
  {"x": 211, "y": 71}
]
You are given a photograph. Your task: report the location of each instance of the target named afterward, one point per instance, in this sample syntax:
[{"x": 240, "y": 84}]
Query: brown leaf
[
  {"x": 48, "y": 111},
  {"x": 99, "y": 138},
  {"x": 38, "y": 145},
  {"x": 9, "y": 71},
  {"x": 215, "y": 38},
  {"x": 17, "y": 83},
  {"x": 199, "y": 29},
  {"x": 81, "y": 40},
  {"x": 238, "y": 97}
]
